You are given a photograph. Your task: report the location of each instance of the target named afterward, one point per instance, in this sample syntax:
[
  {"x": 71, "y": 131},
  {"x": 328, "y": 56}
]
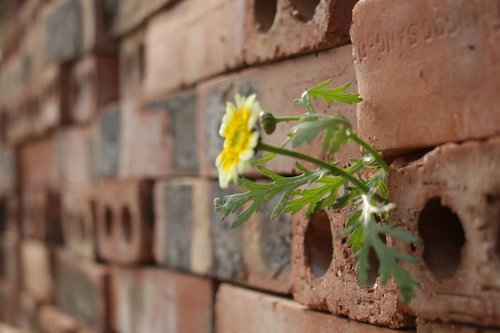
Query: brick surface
[
  {"x": 78, "y": 222},
  {"x": 195, "y": 51},
  {"x": 53, "y": 320},
  {"x": 448, "y": 59},
  {"x": 108, "y": 143},
  {"x": 424, "y": 326},
  {"x": 274, "y": 97},
  {"x": 324, "y": 275},
  {"x": 74, "y": 27},
  {"x": 450, "y": 198},
  {"x": 125, "y": 221},
  {"x": 41, "y": 215},
  {"x": 27, "y": 315},
  {"x": 132, "y": 13},
  {"x": 10, "y": 258},
  {"x": 267, "y": 250},
  {"x": 8, "y": 303},
  {"x": 37, "y": 264},
  {"x": 183, "y": 225},
  {"x": 281, "y": 28},
  {"x": 7, "y": 170},
  {"x": 83, "y": 290},
  {"x": 38, "y": 163},
  {"x": 155, "y": 300},
  {"x": 9, "y": 329},
  {"x": 93, "y": 84},
  {"x": 238, "y": 308}
]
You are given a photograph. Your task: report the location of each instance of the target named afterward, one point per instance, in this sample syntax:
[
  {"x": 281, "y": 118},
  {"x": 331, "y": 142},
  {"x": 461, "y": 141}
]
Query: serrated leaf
[{"x": 333, "y": 94}]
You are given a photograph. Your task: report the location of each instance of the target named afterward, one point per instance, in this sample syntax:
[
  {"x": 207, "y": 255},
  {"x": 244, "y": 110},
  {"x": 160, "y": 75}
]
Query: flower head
[{"x": 240, "y": 138}]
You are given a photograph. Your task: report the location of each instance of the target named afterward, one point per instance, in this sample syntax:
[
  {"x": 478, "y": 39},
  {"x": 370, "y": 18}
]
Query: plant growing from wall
[{"x": 360, "y": 187}]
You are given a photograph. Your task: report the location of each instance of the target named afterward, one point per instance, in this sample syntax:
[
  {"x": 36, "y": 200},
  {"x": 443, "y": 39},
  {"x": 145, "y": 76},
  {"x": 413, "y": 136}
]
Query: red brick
[
  {"x": 280, "y": 28},
  {"x": 447, "y": 59},
  {"x": 450, "y": 198},
  {"x": 37, "y": 264},
  {"x": 75, "y": 155},
  {"x": 182, "y": 224},
  {"x": 9, "y": 329},
  {"x": 75, "y": 27},
  {"x": 239, "y": 310},
  {"x": 28, "y": 310},
  {"x": 125, "y": 221},
  {"x": 133, "y": 13},
  {"x": 194, "y": 51},
  {"x": 7, "y": 170},
  {"x": 275, "y": 97},
  {"x": 267, "y": 250},
  {"x": 83, "y": 290},
  {"x": 175, "y": 302},
  {"x": 78, "y": 222},
  {"x": 38, "y": 163},
  {"x": 424, "y": 326},
  {"x": 324, "y": 275},
  {"x": 41, "y": 215},
  {"x": 93, "y": 84},
  {"x": 8, "y": 303},
  {"x": 10, "y": 260},
  {"x": 53, "y": 320}
]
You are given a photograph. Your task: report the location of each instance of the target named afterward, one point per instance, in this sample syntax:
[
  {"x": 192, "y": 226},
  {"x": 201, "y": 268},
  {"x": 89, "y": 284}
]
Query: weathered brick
[
  {"x": 108, "y": 143},
  {"x": 274, "y": 97},
  {"x": 324, "y": 274},
  {"x": 9, "y": 329},
  {"x": 41, "y": 215},
  {"x": 194, "y": 51},
  {"x": 450, "y": 197},
  {"x": 8, "y": 303},
  {"x": 93, "y": 84},
  {"x": 28, "y": 308},
  {"x": 155, "y": 300},
  {"x": 166, "y": 127},
  {"x": 8, "y": 170},
  {"x": 53, "y": 320},
  {"x": 39, "y": 164},
  {"x": 75, "y": 27},
  {"x": 37, "y": 264},
  {"x": 78, "y": 222},
  {"x": 267, "y": 250},
  {"x": 447, "y": 59},
  {"x": 10, "y": 258},
  {"x": 83, "y": 290},
  {"x": 182, "y": 224},
  {"x": 129, "y": 14},
  {"x": 239, "y": 310},
  {"x": 281, "y": 28},
  {"x": 125, "y": 221},
  {"x": 424, "y": 326}
]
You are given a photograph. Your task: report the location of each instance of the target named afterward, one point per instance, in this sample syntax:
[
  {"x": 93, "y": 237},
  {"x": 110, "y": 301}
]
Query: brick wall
[{"x": 109, "y": 117}]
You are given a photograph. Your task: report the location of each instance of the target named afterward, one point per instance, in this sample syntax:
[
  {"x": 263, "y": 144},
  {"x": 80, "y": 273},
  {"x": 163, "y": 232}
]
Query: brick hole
[
  {"x": 265, "y": 13},
  {"x": 127, "y": 223},
  {"x": 304, "y": 10},
  {"x": 108, "y": 221},
  {"x": 318, "y": 243},
  {"x": 443, "y": 238}
]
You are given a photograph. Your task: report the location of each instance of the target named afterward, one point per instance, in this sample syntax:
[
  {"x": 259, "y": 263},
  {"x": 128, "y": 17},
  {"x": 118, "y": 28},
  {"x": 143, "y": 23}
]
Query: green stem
[
  {"x": 289, "y": 118},
  {"x": 371, "y": 150},
  {"x": 332, "y": 168}
]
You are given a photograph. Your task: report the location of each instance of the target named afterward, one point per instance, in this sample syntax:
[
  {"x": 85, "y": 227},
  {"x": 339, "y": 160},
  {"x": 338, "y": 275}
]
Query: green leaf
[{"x": 333, "y": 95}]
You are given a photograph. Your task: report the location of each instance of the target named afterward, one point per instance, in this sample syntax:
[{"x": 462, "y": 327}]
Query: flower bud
[{"x": 267, "y": 122}]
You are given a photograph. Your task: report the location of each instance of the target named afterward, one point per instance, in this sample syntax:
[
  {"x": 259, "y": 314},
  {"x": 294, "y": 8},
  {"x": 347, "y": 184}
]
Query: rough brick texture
[
  {"x": 280, "y": 28},
  {"x": 125, "y": 221},
  {"x": 324, "y": 274},
  {"x": 257, "y": 312},
  {"x": 424, "y": 326},
  {"x": 83, "y": 290},
  {"x": 275, "y": 97},
  {"x": 37, "y": 264},
  {"x": 53, "y": 320},
  {"x": 454, "y": 210},
  {"x": 107, "y": 153},
  {"x": 154, "y": 300},
  {"x": 446, "y": 84}
]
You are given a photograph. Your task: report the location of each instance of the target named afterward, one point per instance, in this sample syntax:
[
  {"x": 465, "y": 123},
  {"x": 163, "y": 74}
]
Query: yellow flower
[{"x": 241, "y": 138}]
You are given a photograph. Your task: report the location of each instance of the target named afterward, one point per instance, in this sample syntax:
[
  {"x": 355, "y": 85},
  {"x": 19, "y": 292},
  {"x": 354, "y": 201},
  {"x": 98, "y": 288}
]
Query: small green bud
[{"x": 267, "y": 122}]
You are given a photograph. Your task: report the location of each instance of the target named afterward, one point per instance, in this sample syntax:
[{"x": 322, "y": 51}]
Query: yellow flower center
[{"x": 238, "y": 139}]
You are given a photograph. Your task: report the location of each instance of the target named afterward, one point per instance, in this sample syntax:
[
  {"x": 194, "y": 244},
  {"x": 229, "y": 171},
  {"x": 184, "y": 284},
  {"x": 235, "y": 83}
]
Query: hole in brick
[
  {"x": 304, "y": 9},
  {"x": 265, "y": 14},
  {"x": 108, "y": 221},
  {"x": 318, "y": 243},
  {"x": 443, "y": 238},
  {"x": 127, "y": 224}
]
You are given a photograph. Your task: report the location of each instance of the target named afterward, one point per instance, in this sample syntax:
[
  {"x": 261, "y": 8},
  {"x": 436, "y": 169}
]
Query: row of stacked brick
[{"x": 108, "y": 177}]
